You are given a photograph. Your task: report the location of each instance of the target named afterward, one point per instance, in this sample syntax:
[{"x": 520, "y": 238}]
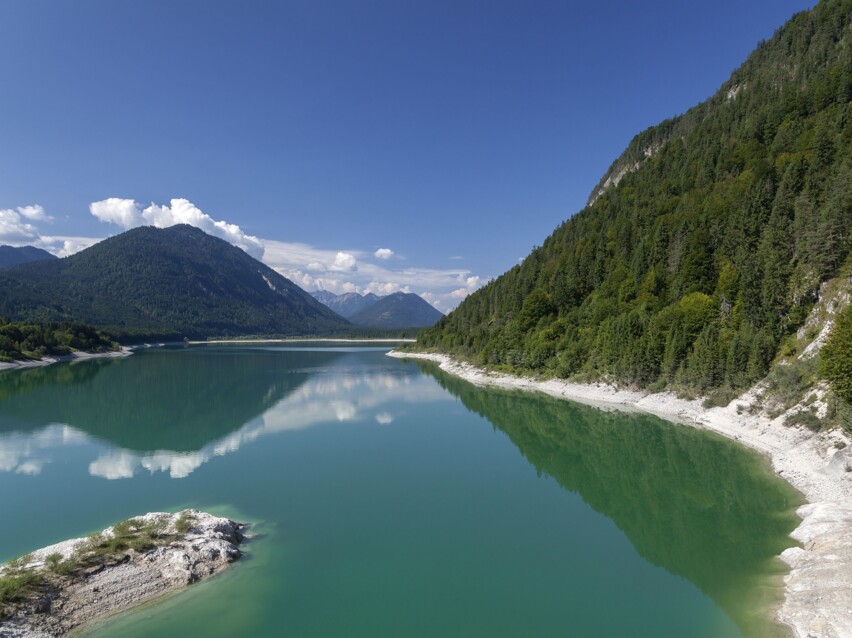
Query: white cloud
[
  {"x": 14, "y": 229},
  {"x": 433, "y": 299},
  {"x": 344, "y": 262},
  {"x": 34, "y": 212},
  {"x": 63, "y": 246},
  {"x": 127, "y": 214},
  {"x": 114, "y": 210},
  {"x": 17, "y": 229},
  {"x": 323, "y": 269},
  {"x": 383, "y": 254}
]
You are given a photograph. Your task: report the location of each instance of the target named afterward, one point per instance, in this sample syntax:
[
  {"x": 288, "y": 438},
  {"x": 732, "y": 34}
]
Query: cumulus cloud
[
  {"x": 344, "y": 262},
  {"x": 128, "y": 214},
  {"x": 65, "y": 246},
  {"x": 114, "y": 210},
  {"x": 383, "y": 253},
  {"x": 433, "y": 299},
  {"x": 20, "y": 227},
  {"x": 34, "y": 212},
  {"x": 15, "y": 226},
  {"x": 384, "y": 418}
]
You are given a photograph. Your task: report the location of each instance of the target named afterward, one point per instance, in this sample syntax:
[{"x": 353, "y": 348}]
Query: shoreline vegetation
[
  {"x": 37, "y": 343},
  {"x": 63, "y": 588},
  {"x": 816, "y": 594},
  {"x": 306, "y": 340}
]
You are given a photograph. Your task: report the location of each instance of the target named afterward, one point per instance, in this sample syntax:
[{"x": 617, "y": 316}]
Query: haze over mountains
[
  {"x": 176, "y": 281},
  {"x": 347, "y": 304},
  {"x": 14, "y": 255},
  {"x": 397, "y": 310}
]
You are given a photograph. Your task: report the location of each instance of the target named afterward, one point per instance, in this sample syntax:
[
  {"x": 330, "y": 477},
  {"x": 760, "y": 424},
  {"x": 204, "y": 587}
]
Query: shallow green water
[{"x": 391, "y": 500}]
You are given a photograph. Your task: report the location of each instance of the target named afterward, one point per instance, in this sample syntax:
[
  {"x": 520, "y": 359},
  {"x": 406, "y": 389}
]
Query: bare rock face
[{"x": 195, "y": 545}]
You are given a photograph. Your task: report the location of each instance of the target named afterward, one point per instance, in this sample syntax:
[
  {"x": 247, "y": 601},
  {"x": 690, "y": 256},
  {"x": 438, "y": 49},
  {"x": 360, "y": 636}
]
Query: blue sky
[{"x": 453, "y": 135}]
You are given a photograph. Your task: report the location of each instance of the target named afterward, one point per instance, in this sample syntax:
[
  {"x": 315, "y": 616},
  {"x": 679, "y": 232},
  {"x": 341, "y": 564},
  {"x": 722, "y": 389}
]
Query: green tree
[{"x": 836, "y": 359}]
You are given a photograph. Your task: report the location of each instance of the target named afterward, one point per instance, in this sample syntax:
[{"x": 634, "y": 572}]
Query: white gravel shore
[{"x": 818, "y": 588}]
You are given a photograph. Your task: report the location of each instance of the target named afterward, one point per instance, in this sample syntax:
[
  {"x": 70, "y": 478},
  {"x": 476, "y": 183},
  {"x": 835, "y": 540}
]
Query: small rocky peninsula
[{"x": 62, "y": 588}]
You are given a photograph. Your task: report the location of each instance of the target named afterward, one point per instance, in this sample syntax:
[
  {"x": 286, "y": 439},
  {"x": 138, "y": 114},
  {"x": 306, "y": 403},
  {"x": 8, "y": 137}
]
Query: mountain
[
  {"x": 12, "y": 255},
  {"x": 706, "y": 243},
  {"x": 346, "y": 305},
  {"x": 176, "y": 281},
  {"x": 399, "y": 310}
]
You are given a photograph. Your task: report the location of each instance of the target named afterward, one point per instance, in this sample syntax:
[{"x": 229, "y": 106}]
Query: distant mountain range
[
  {"x": 346, "y": 305},
  {"x": 399, "y": 310},
  {"x": 13, "y": 255},
  {"x": 172, "y": 281}
]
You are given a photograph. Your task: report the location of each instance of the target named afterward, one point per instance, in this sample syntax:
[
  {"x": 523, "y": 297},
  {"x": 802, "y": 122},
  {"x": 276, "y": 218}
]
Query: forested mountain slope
[
  {"x": 705, "y": 244},
  {"x": 178, "y": 281}
]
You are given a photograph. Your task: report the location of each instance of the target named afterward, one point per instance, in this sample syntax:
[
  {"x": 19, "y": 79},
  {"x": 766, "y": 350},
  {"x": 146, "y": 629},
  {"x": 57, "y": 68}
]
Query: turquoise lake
[{"x": 388, "y": 499}]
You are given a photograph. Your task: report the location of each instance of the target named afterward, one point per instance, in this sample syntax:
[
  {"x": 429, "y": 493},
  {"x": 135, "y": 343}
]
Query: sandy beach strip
[{"x": 818, "y": 588}]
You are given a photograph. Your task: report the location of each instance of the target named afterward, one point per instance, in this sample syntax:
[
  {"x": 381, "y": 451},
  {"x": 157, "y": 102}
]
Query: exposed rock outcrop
[{"x": 187, "y": 547}]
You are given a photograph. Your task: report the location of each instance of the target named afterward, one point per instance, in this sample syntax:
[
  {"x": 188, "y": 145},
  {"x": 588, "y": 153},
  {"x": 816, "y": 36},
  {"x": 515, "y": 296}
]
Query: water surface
[{"x": 392, "y": 500}]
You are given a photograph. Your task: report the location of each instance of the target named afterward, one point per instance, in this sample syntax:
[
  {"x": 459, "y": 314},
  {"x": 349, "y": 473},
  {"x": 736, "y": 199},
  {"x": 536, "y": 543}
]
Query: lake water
[{"x": 389, "y": 499}]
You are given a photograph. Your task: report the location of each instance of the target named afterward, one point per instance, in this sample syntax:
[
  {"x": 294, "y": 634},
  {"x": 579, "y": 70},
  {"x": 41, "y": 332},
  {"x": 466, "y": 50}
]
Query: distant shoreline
[
  {"x": 74, "y": 356},
  {"x": 304, "y": 340},
  {"x": 128, "y": 350},
  {"x": 817, "y": 599}
]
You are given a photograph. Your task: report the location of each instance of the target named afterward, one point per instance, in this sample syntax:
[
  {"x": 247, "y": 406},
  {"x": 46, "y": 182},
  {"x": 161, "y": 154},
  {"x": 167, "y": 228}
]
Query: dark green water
[{"x": 389, "y": 499}]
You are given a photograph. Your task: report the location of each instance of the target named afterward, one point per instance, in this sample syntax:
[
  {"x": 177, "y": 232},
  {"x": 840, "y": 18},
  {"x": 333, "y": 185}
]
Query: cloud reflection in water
[{"x": 329, "y": 398}]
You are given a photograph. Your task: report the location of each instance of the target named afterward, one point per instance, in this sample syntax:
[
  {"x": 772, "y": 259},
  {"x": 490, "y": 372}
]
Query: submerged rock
[{"x": 81, "y": 581}]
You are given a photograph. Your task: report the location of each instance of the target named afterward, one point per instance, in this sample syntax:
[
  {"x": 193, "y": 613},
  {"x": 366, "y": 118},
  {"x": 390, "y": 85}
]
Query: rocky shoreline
[
  {"x": 79, "y": 585},
  {"x": 818, "y": 587}
]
